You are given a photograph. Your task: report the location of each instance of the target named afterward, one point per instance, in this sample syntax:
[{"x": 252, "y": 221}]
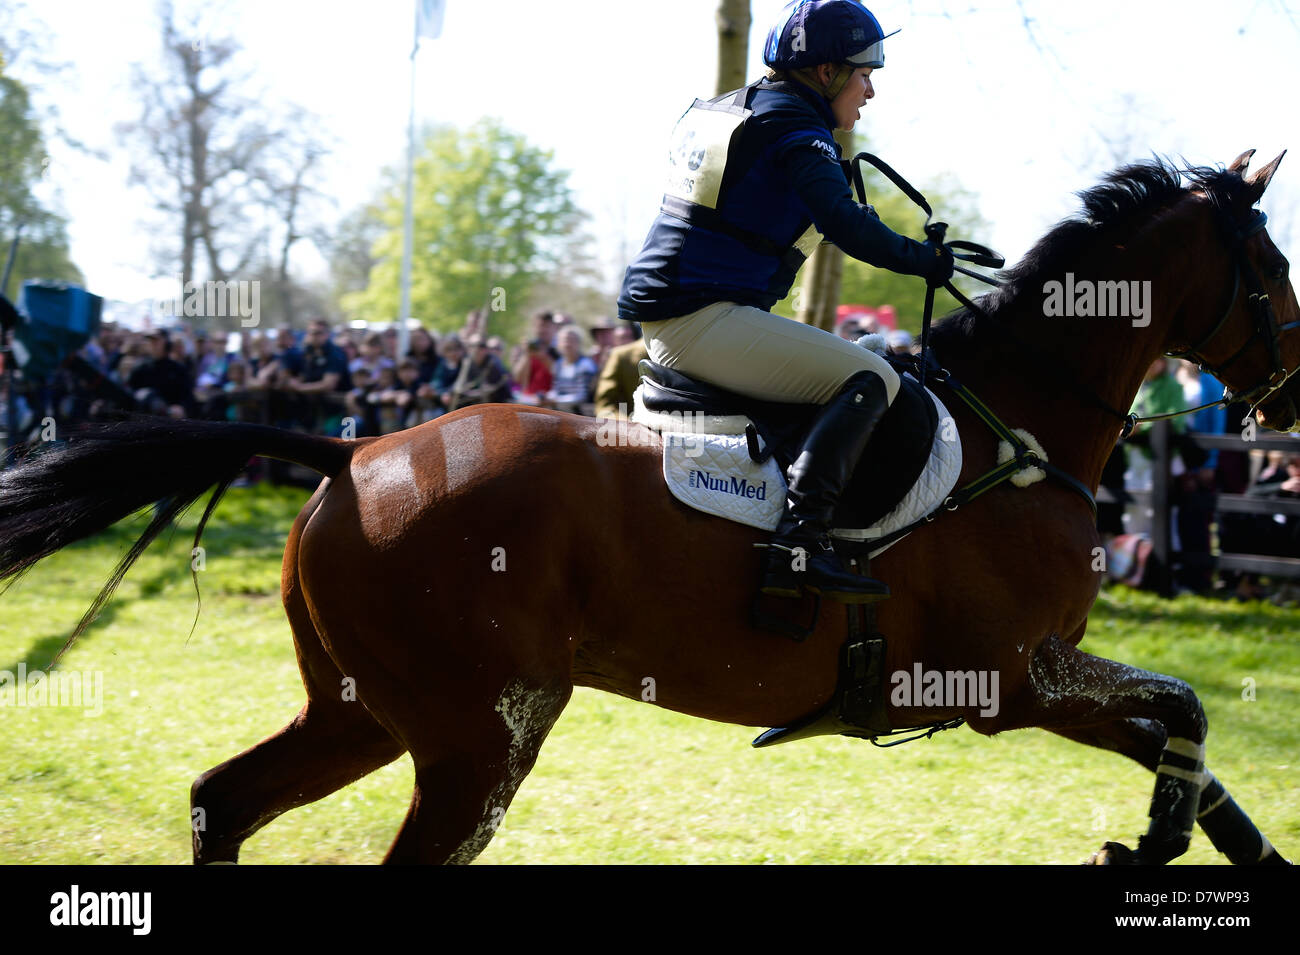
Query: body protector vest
[
  {"x": 730, "y": 227},
  {"x": 697, "y": 166}
]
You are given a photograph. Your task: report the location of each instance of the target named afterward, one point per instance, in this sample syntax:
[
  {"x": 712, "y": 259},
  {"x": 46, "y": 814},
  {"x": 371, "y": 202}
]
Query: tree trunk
[
  {"x": 823, "y": 271},
  {"x": 733, "y": 44}
]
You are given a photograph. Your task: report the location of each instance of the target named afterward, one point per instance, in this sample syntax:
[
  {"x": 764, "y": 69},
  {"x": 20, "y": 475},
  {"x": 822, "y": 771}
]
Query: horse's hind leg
[
  {"x": 332, "y": 742},
  {"x": 324, "y": 748},
  {"x": 1067, "y": 689},
  {"x": 465, "y": 783},
  {"x": 1229, "y": 828}
]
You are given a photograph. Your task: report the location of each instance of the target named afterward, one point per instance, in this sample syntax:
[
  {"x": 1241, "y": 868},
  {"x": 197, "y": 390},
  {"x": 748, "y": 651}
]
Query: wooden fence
[{"x": 1158, "y": 499}]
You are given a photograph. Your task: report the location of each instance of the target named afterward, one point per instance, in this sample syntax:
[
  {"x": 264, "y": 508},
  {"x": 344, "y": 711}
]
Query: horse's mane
[{"x": 1129, "y": 196}]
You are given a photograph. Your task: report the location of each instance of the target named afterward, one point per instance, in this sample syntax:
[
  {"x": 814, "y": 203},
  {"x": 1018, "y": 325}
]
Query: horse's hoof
[{"x": 1113, "y": 853}]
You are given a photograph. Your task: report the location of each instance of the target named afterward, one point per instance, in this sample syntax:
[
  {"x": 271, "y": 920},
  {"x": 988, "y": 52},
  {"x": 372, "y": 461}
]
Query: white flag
[{"x": 429, "y": 18}]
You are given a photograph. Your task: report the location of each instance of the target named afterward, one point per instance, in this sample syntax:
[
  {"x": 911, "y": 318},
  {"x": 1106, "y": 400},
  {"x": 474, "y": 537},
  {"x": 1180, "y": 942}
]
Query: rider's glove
[{"x": 941, "y": 271}]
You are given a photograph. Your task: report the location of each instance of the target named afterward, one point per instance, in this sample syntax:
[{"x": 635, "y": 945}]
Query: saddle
[{"x": 908, "y": 467}]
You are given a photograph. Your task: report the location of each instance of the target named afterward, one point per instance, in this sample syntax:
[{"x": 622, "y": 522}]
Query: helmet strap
[
  {"x": 808, "y": 77},
  {"x": 838, "y": 81}
]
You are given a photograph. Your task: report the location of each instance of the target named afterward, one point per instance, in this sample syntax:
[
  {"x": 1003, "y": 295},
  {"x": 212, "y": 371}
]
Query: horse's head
[{"x": 1252, "y": 343}]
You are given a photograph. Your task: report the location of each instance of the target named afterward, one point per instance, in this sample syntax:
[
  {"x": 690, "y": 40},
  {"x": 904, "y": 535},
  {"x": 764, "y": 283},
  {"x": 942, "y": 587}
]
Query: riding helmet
[{"x": 811, "y": 32}]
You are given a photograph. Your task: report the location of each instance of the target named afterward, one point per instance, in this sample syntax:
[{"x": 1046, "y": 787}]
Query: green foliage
[
  {"x": 863, "y": 284},
  {"x": 491, "y": 215},
  {"x": 43, "y": 246}
]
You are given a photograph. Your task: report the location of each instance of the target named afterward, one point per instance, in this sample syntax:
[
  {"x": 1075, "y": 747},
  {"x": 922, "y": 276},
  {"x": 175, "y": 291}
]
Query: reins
[
  {"x": 1265, "y": 323},
  {"x": 1022, "y": 457}
]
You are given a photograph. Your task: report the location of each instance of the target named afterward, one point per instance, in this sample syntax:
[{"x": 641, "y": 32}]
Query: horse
[{"x": 458, "y": 574}]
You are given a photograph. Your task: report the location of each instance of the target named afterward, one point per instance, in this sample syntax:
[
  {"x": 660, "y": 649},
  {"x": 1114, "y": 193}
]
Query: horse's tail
[{"x": 67, "y": 492}]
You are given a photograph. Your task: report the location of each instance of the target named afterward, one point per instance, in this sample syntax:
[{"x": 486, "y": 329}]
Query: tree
[
  {"x": 492, "y": 218},
  {"x": 43, "y": 245},
  {"x": 351, "y": 247},
  {"x": 733, "y": 44},
  {"x": 285, "y": 176},
  {"x": 196, "y": 139}
]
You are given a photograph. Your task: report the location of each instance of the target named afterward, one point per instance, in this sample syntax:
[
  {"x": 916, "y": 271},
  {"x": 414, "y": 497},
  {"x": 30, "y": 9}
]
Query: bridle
[{"x": 1266, "y": 326}]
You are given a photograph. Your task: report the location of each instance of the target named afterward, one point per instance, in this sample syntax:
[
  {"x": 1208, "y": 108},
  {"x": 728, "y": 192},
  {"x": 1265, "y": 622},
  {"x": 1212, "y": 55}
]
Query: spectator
[
  {"x": 1195, "y": 489},
  {"x": 602, "y": 334},
  {"x": 372, "y": 357},
  {"x": 209, "y": 360},
  {"x": 162, "y": 385},
  {"x": 210, "y": 368},
  {"x": 543, "y": 330},
  {"x": 111, "y": 342},
  {"x": 357, "y": 403},
  {"x": 389, "y": 399},
  {"x": 624, "y": 333},
  {"x": 452, "y": 352},
  {"x": 575, "y": 373},
  {"x": 619, "y": 378},
  {"x": 287, "y": 362},
  {"x": 482, "y": 378},
  {"x": 351, "y": 350},
  {"x": 239, "y": 393},
  {"x": 259, "y": 354},
  {"x": 324, "y": 367},
  {"x": 389, "y": 338},
  {"x": 1160, "y": 393},
  {"x": 425, "y": 353},
  {"x": 320, "y": 381},
  {"x": 533, "y": 372}
]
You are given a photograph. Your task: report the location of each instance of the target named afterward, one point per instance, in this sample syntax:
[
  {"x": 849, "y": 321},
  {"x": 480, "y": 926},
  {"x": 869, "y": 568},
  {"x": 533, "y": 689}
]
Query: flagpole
[{"x": 403, "y": 333}]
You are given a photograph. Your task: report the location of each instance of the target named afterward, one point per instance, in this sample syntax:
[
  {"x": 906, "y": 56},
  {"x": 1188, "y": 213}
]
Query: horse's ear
[
  {"x": 1258, "y": 182},
  {"x": 1241, "y": 162}
]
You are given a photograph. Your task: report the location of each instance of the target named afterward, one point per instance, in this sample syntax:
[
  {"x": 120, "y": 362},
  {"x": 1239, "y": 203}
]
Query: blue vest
[{"x": 730, "y": 228}]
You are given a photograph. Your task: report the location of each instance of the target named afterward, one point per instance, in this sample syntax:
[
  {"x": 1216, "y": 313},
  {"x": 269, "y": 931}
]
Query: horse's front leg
[
  {"x": 1229, "y": 828},
  {"x": 1065, "y": 689}
]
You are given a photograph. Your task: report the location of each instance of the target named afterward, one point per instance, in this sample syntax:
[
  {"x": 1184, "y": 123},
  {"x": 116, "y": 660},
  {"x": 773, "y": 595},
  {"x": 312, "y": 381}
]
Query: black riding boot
[{"x": 800, "y": 553}]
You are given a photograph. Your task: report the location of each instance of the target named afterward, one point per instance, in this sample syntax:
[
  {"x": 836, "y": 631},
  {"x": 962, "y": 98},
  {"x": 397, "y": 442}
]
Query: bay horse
[{"x": 465, "y": 575}]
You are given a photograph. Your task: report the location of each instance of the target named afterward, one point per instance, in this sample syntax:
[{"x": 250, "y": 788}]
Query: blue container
[{"x": 58, "y": 319}]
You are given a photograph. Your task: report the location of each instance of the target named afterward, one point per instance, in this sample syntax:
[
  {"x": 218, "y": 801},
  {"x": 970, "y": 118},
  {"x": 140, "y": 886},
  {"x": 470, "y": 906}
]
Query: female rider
[{"x": 755, "y": 175}]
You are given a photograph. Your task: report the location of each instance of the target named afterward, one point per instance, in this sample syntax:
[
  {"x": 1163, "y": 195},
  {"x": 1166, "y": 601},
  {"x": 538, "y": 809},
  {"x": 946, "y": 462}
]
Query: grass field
[{"x": 617, "y": 781}]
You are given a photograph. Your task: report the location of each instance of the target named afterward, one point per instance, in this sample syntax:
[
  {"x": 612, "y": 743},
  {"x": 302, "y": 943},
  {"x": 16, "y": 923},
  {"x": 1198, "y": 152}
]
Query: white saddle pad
[{"x": 714, "y": 473}]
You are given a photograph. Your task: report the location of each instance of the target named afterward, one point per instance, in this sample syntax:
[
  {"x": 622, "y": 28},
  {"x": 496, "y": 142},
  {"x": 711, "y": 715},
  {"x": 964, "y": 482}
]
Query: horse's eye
[{"x": 1280, "y": 273}]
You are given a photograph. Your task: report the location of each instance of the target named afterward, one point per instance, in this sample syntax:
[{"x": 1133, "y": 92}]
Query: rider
[{"x": 755, "y": 175}]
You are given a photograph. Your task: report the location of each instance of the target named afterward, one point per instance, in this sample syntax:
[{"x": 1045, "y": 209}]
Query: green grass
[{"x": 617, "y": 781}]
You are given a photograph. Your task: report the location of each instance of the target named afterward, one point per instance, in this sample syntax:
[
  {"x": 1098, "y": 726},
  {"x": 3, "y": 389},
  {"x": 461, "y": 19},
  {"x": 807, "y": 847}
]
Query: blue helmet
[{"x": 811, "y": 32}]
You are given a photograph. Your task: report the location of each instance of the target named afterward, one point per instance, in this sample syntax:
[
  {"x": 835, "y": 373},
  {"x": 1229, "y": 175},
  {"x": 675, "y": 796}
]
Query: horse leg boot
[{"x": 800, "y": 553}]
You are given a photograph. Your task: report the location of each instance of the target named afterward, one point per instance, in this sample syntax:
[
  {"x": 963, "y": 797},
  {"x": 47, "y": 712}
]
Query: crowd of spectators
[
  {"x": 352, "y": 381},
  {"x": 332, "y": 380}
]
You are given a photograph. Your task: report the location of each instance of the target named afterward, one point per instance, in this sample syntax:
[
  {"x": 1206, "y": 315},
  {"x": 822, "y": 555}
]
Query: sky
[{"x": 1022, "y": 102}]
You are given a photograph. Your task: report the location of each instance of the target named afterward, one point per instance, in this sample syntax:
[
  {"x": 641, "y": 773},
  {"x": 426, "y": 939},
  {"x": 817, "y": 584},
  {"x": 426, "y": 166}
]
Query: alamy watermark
[
  {"x": 84, "y": 690},
  {"x": 1085, "y": 298},
  {"x": 945, "y": 688},
  {"x": 128, "y": 909},
  {"x": 235, "y": 299},
  {"x": 692, "y": 426}
]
